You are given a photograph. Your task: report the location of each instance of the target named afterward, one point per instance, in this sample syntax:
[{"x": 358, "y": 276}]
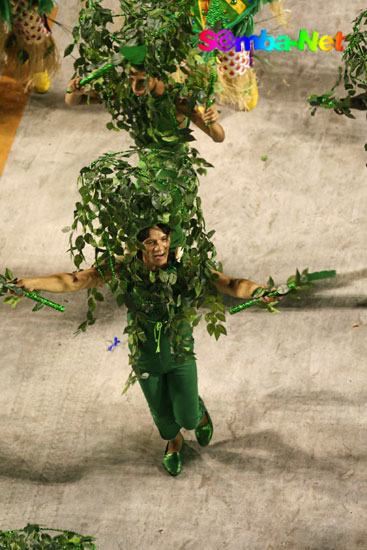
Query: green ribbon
[
  {"x": 157, "y": 329},
  {"x": 210, "y": 100},
  {"x": 111, "y": 266}
]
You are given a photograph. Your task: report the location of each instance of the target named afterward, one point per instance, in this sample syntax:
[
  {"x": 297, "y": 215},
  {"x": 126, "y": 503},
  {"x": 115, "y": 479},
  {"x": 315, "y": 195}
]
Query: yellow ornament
[{"x": 42, "y": 82}]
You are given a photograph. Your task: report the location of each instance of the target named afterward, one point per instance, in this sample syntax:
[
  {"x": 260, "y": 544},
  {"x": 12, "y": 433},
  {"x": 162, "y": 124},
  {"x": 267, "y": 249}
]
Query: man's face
[
  {"x": 156, "y": 250},
  {"x": 137, "y": 79}
]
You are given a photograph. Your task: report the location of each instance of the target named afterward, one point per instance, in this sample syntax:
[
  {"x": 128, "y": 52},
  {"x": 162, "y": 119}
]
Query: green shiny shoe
[
  {"x": 173, "y": 461},
  {"x": 205, "y": 433}
]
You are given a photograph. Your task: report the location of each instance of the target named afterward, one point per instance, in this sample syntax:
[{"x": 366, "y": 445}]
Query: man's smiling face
[{"x": 156, "y": 250}]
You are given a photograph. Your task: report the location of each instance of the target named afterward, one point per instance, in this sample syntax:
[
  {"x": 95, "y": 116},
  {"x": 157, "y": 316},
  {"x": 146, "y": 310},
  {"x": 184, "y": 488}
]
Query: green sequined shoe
[
  {"x": 205, "y": 433},
  {"x": 173, "y": 461}
]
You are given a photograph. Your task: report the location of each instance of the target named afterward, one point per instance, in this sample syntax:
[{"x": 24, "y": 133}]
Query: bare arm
[
  {"x": 215, "y": 130},
  {"x": 65, "y": 282},
  {"x": 238, "y": 288}
]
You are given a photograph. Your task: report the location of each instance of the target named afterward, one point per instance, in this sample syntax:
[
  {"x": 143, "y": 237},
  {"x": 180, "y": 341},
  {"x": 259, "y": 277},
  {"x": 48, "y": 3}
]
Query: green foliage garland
[{"x": 31, "y": 537}]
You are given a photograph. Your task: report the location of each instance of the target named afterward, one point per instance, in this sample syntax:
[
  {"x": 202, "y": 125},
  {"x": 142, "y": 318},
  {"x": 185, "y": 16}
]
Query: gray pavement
[{"x": 286, "y": 468}]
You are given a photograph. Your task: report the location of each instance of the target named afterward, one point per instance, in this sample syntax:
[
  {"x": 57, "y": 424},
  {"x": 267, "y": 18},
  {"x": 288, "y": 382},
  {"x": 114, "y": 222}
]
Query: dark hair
[
  {"x": 140, "y": 68},
  {"x": 144, "y": 233}
]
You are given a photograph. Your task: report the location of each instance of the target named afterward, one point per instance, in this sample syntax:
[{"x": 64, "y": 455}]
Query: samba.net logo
[{"x": 225, "y": 41}]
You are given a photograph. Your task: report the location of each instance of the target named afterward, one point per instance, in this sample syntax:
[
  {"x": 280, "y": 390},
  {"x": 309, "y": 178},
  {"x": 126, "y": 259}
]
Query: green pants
[
  {"x": 173, "y": 399},
  {"x": 171, "y": 388}
]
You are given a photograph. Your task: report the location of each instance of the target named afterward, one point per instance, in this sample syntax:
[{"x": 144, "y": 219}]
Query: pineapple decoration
[
  {"x": 233, "y": 64},
  {"x": 29, "y": 47},
  {"x": 235, "y": 69}
]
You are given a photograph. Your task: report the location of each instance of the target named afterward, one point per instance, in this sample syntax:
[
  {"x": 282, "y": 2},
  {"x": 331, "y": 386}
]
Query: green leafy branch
[{"x": 31, "y": 537}]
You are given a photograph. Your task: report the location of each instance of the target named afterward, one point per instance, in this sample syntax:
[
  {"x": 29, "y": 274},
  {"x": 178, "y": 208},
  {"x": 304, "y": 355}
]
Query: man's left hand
[{"x": 210, "y": 114}]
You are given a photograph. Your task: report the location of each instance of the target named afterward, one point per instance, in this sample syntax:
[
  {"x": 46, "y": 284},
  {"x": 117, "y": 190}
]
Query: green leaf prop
[
  {"x": 6, "y": 285},
  {"x": 295, "y": 282}
]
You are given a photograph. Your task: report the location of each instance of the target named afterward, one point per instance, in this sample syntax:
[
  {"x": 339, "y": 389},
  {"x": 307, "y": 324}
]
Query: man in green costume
[{"x": 170, "y": 387}]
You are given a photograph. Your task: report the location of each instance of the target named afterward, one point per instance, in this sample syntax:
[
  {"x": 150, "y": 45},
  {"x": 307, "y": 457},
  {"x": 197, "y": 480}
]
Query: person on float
[{"x": 157, "y": 89}]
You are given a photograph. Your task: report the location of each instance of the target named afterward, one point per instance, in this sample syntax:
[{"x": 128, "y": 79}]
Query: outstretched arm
[
  {"x": 64, "y": 282},
  {"x": 238, "y": 288}
]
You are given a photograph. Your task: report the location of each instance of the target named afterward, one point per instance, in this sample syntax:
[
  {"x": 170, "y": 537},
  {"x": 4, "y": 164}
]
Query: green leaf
[
  {"x": 38, "y": 306},
  {"x": 163, "y": 275},
  {"x": 82, "y": 327},
  {"x": 78, "y": 260},
  {"x": 270, "y": 283},
  {"x": 258, "y": 292},
  {"x": 172, "y": 278},
  {"x": 283, "y": 289},
  {"x": 219, "y": 329},
  {"x": 79, "y": 243},
  {"x": 99, "y": 297},
  {"x": 264, "y": 158},
  {"x": 221, "y": 317},
  {"x": 91, "y": 304},
  {"x": 66, "y": 229},
  {"x": 196, "y": 320},
  {"x": 198, "y": 289},
  {"x": 68, "y": 49},
  {"x": 210, "y": 328},
  {"x": 8, "y": 274}
]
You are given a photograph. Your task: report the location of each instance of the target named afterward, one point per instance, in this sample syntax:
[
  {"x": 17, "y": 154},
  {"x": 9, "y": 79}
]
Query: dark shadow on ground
[{"x": 142, "y": 457}]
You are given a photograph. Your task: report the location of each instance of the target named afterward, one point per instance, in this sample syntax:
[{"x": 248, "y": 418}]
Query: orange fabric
[{"x": 12, "y": 104}]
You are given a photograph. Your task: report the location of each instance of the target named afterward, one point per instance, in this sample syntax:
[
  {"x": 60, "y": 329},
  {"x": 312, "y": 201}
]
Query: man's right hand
[
  {"x": 26, "y": 283},
  {"x": 74, "y": 87}
]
